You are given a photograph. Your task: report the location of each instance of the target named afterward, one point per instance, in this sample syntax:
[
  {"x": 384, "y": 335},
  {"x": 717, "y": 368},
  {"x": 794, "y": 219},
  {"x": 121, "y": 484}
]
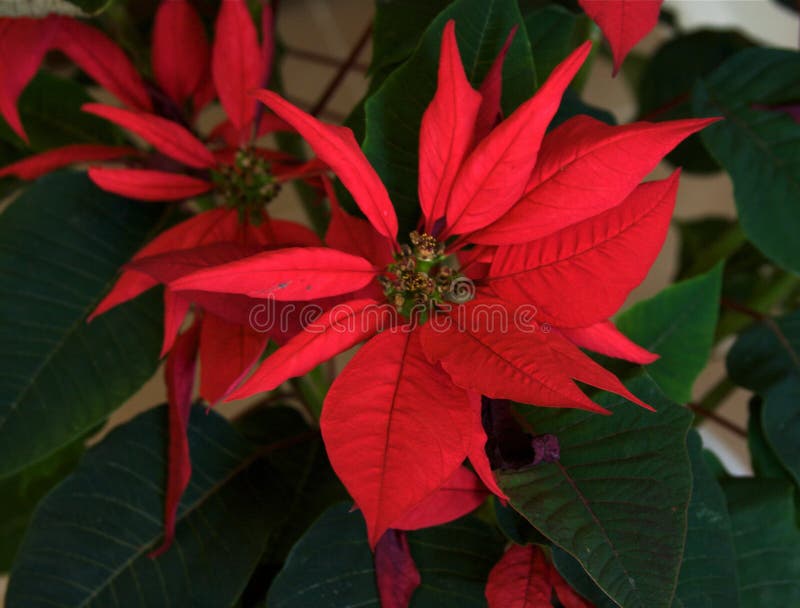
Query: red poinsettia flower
[
  {"x": 404, "y": 414},
  {"x": 524, "y": 577},
  {"x": 188, "y": 75}
]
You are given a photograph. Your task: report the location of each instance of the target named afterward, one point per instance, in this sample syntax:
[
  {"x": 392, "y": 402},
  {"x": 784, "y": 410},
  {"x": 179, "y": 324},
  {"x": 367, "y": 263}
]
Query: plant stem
[
  {"x": 714, "y": 417},
  {"x": 730, "y": 242}
]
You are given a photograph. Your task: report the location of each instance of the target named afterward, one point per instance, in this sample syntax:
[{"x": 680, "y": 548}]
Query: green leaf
[
  {"x": 23, "y": 491},
  {"x": 762, "y": 458},
  {"x": 90, "y": 538},
  {"x": 41, "y": 8},
  {"x": 617, "y": 499},
  {"x": 61, "y": 246},
  {"x": 394, "y": 112},
  {"x": 767, "y": 541},
  {"x": 553, "y": 32},
  {"x": 571, "y": 571},
  {"x": 759, "y": 148},
  {"x": 398, "y": 26},
  {"x": 708, "y": 573},
  {"x": 331, "y": 565},
  {"x": 50, "y": 109},
  {"x": 765, "y": 359},
  {"x": 664, "y": 90},
  {"x": 679, "y": 325}
]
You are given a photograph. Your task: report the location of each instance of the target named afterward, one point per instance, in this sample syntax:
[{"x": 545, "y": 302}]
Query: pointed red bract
[
  {"x": 103, "y": 60},
  {"x": 523, "y": 578},
  {"x": 477, "y": 452},
  {"x": 23, "y": 44},
  {"x": 210, "y": 226},
  {"x": 582, "y": 274},
  {"x": 394, "y": 428},
  {"x": 446, "y": 131},
  {"x": 333, "y": 332},
  {"x": 165, "y": 135},
  {"x": 236, "y": 62},
  {"x": 40, "y": 164},
  {"x": 495, "y": 174},
  {"x": 461, "y": 494},
  {"x": 396, "y": 574},
  {"x": 355, "y": 235},
  {"x": 176, "y": 307},
  {"x": 288, "y": 274},
  {"x": 180, "y": 49},
  {"x": 337, "y": 147},
  {"x": 228, "y": 352},
  {"x": 179, "y": 374},
  {"x": 606, "y": 339},
  {"x": 491, "y": 91},
  {"x": 490, "y": 355},
  {"x": 623, "y": 22},
  {"x": 148, "y": 185},
  {"x": 585, "y": 167}
]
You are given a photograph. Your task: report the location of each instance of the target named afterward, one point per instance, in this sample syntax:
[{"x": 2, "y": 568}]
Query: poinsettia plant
[{"x": 431, "y": 385}]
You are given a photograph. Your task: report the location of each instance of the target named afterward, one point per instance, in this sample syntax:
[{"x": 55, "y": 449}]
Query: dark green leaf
[
  {"x": 664, "y": 90},
  {"x": 331, "y": 565},
  {"x": 50, "y": 109},
  {"x": 759, "y": 148},
  {"x": 23, "y": 491},
  {"x": 679, "y": 325},
  {"x": 554, "y": 32},
  {"x": 399, "y": 24},
  {"x": 394, "y": 112},
  {"x": 708, "y": 573},
  {"x": 61, "y": 246},
  {"x": 572, "y": 572},
  {"x": 617, "y": 499},
  {"x": 767, "y": 541},
  {"x": 90, "y": 538},
  {"x": 762, "y": 458},
  {"x": 572, "y": 105}
]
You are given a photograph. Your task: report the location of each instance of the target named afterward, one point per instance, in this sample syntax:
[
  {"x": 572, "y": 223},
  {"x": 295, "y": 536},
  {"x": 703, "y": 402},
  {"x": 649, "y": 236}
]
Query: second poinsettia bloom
[{"x": 556, "y": 225}]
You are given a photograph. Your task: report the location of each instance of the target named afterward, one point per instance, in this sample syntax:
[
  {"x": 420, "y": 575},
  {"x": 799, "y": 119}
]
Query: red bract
[
  {"x": 623, "y": 22},
  {"x": 524, "y": 578},
  {"x": 405, "y": 413},
  {"x": 187, "y": 74}
]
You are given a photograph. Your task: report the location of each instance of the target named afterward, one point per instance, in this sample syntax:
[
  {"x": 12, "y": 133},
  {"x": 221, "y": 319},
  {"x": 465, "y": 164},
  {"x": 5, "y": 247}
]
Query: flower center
[
  {"x": 247, "y": 185},
  {"x": 421, "y": 277}
]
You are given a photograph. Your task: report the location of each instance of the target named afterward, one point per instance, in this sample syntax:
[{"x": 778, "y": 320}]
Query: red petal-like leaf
[
  {"x": 582, "y": 274},
  {"x": 495, "y": 174},
  {"x": 338, "y": 148},
  {"x": 208, "y": 227},
  {"x": 585, "y": 167},
  {"x": 295, "y": 273},
  {"x": 228, "y": 352},
  {"x": 395, "y": 428},
  {"x": 236, "y": 62},
  {"x": 623, "y": 22},
  {"x": 40, "y": 164},
  {"x": 148, "y": 185},
  {"x": 103, "y": 60},
  {"x": 461, "y": 494},
  {"x": 606, "y": 339},
  {"x": 171, "y": 266},
  {"x": 284, "y": 233},
  {"x": 395, "y": 572},
  {"x": 23, "y": 44},
  {"x": 179, "y": 374},
  {"x": 446, "y": 131},
  {"x": 180, "y": 49},
  {"x": 521, "y": 579},
  {"x": 267, "y": 42},
  {"x": 491, "y": 91},
  {"x": 354, "y": 235},
  {"x": 483, "y": 350},
  {"x": 165, "y": 135},
  {"x": 333, "y": 332},
  {"x": 477, "y": 453},
  {"x": 175, "y": 309}
]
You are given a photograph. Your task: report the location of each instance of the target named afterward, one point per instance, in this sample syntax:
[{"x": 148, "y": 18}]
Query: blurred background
[{"x": 320, "y": 35}]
